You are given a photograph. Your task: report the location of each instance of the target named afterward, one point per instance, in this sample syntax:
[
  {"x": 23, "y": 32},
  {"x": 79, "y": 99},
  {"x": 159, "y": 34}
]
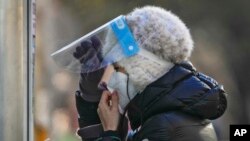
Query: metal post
[
  {"x": 31, "y": 20},
  {"x": 15, "y": 68}
]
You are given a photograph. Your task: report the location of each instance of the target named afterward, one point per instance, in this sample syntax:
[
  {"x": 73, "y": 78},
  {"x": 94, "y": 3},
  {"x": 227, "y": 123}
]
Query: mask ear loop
[
  {"x": 123, "y": 124},
  {"x": 128, "y": 86},
  {"x": 141, "y": 114}
]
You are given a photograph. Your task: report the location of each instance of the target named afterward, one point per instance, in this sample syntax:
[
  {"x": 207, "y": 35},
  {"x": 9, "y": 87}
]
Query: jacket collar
[{"x": 143, "y": 105}]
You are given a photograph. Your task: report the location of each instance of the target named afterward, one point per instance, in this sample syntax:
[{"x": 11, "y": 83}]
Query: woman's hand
[{"x": 108, "y": 110}]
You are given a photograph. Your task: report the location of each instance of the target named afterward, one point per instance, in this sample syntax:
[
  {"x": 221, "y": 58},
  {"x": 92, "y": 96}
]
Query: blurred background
[{"x": 220, "y": 30}]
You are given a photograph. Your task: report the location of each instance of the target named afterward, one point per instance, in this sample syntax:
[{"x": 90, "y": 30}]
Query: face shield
[
  {"x": 106, "y": 45},
  {"x": 92, "y": 51}
]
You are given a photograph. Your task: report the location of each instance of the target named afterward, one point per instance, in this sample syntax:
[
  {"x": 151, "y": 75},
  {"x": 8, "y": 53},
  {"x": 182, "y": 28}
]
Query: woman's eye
[{"x": 116, "y": 67}]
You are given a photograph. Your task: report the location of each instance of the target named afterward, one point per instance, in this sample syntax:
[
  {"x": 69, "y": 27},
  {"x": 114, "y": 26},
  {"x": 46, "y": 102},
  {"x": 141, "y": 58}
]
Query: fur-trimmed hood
[{"x": 159, "y": 32}]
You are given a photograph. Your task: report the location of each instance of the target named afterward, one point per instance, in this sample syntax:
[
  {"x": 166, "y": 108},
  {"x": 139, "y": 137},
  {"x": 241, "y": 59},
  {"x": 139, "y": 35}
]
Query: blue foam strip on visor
[{"x": 124, "y": 36}]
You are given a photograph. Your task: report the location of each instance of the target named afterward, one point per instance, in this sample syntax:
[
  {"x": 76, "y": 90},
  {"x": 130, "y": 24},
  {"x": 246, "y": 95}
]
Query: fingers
[
  {"x": 109, "y": 114},
  {"x": 104, "y": 99},
  {"x": 103, "y": 107},
  {"x": 76, "y": 55},
  {"x": 108, "y": 102},
  {"x": 88, "y": 53},
  {"x": 82, "y": 49},
  {"x": 107, "y": 74},
  {"x": 90, "y": 59},
  {"x": 95, "y": 42},
  {"x": 107, "y": 97},
  {"x": 85, "y": 46},
  {"x": 115, "y": 100}
]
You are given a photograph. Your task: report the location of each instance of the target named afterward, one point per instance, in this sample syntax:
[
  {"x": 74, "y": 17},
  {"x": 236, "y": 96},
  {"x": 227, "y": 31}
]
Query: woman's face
[
  {"x": 119, "y": 68},
  {"x": 109, "y": 70},
  {"x": 117, "y": 79}
]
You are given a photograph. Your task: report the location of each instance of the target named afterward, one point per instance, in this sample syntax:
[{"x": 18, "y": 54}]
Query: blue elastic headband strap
[{"x": 124, "y": 36}]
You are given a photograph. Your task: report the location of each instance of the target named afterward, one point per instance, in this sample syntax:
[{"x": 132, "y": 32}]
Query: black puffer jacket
[{"x": 178, "y": 107}]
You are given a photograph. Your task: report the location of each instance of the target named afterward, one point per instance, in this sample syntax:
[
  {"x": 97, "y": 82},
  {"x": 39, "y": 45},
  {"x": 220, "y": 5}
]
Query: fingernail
[
  {"x": 115, "y": 92},
  {"x": 102, "y": 86}
]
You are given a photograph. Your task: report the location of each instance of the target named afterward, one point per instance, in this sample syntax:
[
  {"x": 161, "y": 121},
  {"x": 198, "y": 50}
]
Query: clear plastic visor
[{"x": 104, "y": 46}]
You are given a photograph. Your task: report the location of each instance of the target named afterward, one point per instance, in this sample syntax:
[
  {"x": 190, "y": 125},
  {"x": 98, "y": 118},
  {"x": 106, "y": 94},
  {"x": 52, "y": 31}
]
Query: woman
[{"x": 158, "y": 90}]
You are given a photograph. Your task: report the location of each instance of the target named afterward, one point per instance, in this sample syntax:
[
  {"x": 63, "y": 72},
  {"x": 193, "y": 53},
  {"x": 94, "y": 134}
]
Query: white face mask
[{"x": 119, "y": 82}]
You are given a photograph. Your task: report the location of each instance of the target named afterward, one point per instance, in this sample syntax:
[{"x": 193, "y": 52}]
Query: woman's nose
[{"x": 107, "y": 74}]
